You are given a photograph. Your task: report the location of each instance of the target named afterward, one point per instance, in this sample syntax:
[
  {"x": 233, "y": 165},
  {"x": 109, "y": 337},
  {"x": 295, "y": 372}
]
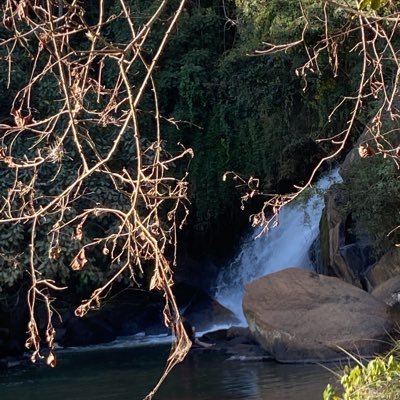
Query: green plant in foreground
[{"x": 379, "y": 379}]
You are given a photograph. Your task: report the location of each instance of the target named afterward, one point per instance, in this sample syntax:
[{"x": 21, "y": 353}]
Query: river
[{"x": 129, "y": 373}]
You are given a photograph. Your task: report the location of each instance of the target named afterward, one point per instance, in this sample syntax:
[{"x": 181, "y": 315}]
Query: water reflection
[
  {"x": 122, "y": 374},
  {"x": 210, "y": 377}
]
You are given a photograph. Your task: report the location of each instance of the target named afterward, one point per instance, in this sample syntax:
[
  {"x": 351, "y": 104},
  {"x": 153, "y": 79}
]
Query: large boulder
[
  {"x": 387, "y": 267},
  {"x": 297, "y": 315},
  {"x": 389, "y": 291}
]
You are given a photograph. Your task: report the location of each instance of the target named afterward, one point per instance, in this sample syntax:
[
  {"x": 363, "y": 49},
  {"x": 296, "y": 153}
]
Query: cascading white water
[{"x": 286, "y": 245}]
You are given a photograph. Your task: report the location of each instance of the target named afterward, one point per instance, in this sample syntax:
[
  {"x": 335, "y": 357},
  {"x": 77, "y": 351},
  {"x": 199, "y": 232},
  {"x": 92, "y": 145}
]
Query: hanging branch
[
  {"x": 376, "y": 23},
  {"x": 90, "y": 132}
]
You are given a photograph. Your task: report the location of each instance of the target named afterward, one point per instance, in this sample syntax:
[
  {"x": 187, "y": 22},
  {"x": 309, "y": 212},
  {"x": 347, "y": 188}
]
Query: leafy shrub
[{"x": 379, "y": 379}]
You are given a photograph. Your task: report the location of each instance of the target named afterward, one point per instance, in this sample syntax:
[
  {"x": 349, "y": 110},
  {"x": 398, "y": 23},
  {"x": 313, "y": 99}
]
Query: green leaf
[
  {"x": 365, "y": 4},
  {"x": 375, "y": 4}
]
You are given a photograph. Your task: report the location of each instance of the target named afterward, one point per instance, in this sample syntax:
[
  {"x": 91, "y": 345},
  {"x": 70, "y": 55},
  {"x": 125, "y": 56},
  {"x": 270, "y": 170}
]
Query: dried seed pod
[
  {"x": 365, "y": 151},
  {"x": 79, "y": 312},
  {"x": 55, "y": 253},
  {"x": 79, "y": 261},
  {"x": 78, "y": 233}
]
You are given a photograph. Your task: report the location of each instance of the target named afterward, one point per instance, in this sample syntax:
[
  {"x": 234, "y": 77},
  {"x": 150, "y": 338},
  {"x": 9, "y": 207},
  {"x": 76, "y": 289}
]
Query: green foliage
[
  {"x": 248, "y": 114},
  {"x": 241, "y": 113},
  {"x": 379, "y": 379},
  {"x": 265, "y": 20},
  {"x": 253, "y": 116},
  {"x": 373, "y": 187},
  {"x": 372, "y": 4}
]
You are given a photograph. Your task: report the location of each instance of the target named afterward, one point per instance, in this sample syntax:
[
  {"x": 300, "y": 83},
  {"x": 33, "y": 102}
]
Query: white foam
[{"x": 286, "y": 245}]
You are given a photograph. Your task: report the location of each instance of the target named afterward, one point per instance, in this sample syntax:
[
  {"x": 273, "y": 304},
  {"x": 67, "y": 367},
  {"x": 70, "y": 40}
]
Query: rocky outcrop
[
  {"x": 345, "y": 247},
  {"x": 124, "y": 313},
  {"x": 200, "y": 308},
  {"x": 298, "y": 315},
  {"x": 386, "y": 268},
  {"x": 127, "y": 313},
  {"x": 237, "y": 343},
  {"x": 332, "y": 239},
  {"x": 388, "y": 291},
  {"x": 341, "y": 254},
  {"x": 134, "y": 311}
]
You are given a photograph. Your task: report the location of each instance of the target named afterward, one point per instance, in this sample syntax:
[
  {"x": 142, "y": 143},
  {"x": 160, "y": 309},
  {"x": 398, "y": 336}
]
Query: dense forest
[
  {"x": 238, "y": 111},
  {"x": 262, "y": 89}
]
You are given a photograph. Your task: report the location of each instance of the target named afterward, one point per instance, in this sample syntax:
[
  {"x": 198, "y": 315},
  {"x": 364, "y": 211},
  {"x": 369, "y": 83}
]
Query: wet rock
[
  {"x": 134, "y": 311},
  {"x": 297, "y": 315},
  {"x": 332, "y": 234},
  {"x": 200, "y": 308},
  {"x": 127, "y": 313},
  {"x": 237, "y": 343},
  {"x": 86, "y": 331}
]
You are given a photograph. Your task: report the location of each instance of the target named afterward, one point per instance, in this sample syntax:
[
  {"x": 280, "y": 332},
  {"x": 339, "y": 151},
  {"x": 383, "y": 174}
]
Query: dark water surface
[{"x": 129, "y": 373}]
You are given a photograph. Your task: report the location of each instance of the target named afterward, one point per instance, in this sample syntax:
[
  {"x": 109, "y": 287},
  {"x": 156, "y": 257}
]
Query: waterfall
[{"x": 286, "y": 245}]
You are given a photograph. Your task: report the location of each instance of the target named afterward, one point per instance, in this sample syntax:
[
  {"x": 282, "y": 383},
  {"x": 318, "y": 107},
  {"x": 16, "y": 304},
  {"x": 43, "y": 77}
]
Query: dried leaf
[
  {"x": 35, "y": 356},
  {"x": 365, "y": 151},
  {"x": 29, "y": 343},
  {"x": 79, "y": 311},
  {"x": 55, "y": 253},
  {"x": 51, "y": 359},
  {"x": 79, "y": 261},
  {"x": 78, "y": 233}
]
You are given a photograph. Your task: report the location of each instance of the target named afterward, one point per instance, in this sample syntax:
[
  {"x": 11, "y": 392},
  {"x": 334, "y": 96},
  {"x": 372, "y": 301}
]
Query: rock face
[
  {"x": 200, "y": 308},
  {"x": 389, "y": 291},
  {"x": 340, "y": 254},
  {"x": 344, "y": 254},
  {"x": 237, "y": 343},
  {"x": 353, "y": 155},
  {"x": 297, "y": 315},
  {"x": 386, "y": 268},
  {"x": 128, "y": 313}
]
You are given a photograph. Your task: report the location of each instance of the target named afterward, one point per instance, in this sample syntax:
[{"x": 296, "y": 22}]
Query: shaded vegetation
[
  {"x": 373, "y": 191},
  {"x": 253, "y": 115}
]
